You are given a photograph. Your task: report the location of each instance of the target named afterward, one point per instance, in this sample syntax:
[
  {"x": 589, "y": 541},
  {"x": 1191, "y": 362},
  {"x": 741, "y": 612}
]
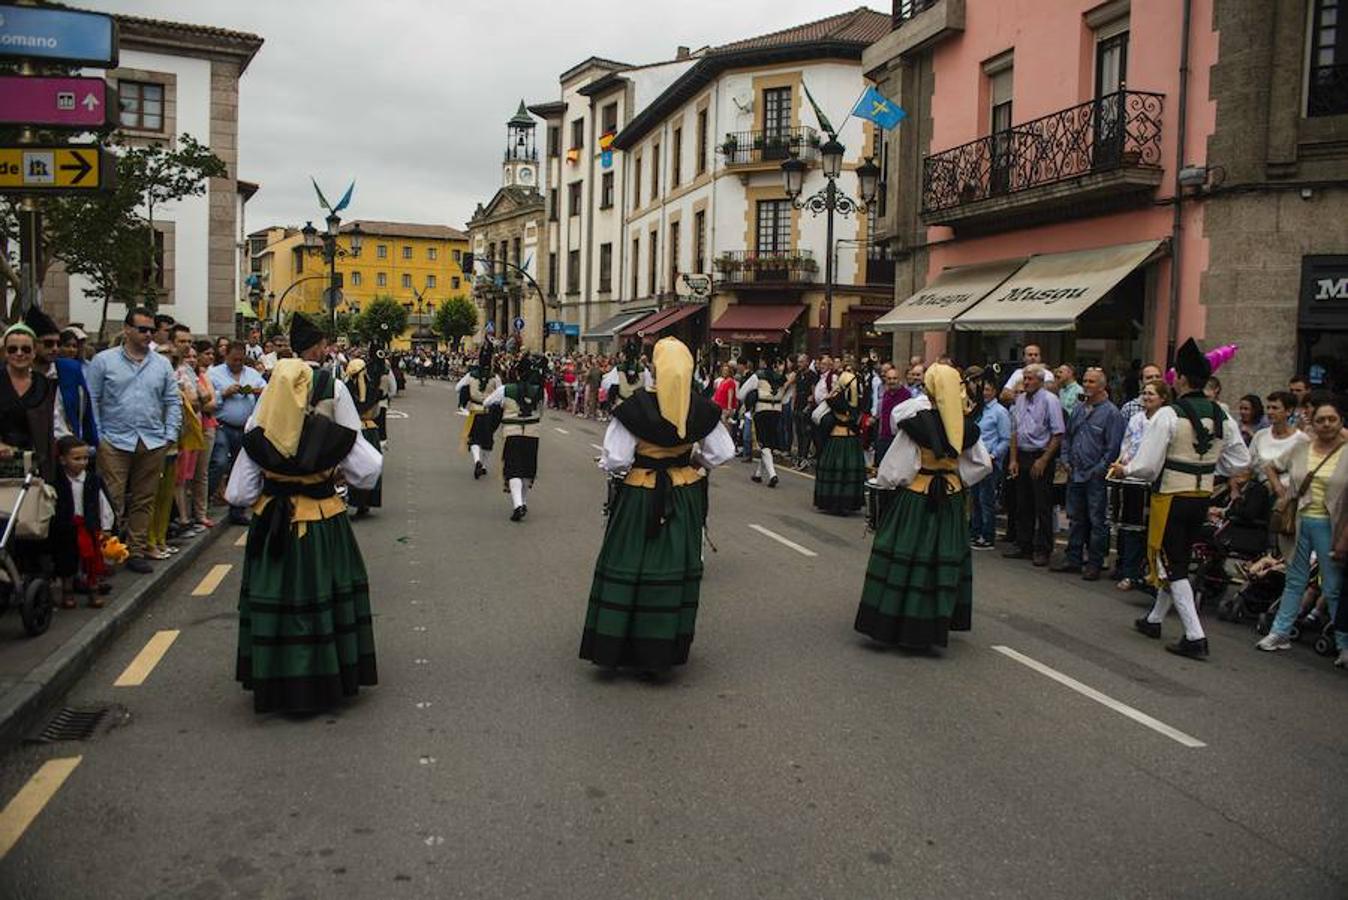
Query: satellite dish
[{"x": 745, "y": 106}]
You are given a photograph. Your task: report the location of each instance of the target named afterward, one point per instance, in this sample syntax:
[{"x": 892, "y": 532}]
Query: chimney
[{"x": 681, "y": 53}]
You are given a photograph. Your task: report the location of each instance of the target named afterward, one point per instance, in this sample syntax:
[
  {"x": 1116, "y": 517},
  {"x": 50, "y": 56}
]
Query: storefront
[
  {"x": 758, "y": 330},
  {"x": 685, "y": 321},
  {"x": 606, "y": 332},
  {"x": 1322, "y": 322}
]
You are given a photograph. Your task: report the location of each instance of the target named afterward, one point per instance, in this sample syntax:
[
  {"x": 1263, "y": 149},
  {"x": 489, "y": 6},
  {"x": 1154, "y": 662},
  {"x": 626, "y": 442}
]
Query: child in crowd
[{"x": 83, "y": 514}]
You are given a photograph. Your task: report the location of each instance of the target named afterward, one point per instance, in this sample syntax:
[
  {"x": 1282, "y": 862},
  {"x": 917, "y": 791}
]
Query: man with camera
[{"x": 237, "y": 386}]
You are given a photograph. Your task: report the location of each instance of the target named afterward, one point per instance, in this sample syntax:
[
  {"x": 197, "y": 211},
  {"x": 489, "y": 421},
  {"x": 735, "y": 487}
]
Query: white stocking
[
  {"x": 477, "y": 453},
  {"x": 517, "y": 492},
  {"x": 1187, "y": 609},
  {"x": 758, "y": 466},
  {"x": 770, "y": 469},
  {"x": 1161, "y": 607}
]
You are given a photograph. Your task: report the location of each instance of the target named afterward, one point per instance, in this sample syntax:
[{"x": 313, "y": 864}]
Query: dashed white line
[
  {"x": 786, "y": 542},
  {"x": 560, "y": 430},
  {"x": 597, "y": 447},
  {"x": 1119, "y": 707}
]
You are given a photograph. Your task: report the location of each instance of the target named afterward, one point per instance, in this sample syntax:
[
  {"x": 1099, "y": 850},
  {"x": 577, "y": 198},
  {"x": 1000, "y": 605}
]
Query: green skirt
[
  {"x": 306, "y": 638},
  {"x": 643, "y": 600},
  {"x": 919, "y": 580},
  {"x": 839, "y": 477}
]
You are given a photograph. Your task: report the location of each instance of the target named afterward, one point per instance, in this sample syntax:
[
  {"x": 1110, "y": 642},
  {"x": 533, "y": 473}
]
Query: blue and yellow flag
[{"x": 882, "y": 111}]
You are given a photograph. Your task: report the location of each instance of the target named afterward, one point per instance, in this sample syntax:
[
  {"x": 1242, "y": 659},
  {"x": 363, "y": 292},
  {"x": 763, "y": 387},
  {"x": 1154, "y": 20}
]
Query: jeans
[
  {"x": 786, "y": 427},
  {"x": 983, "y": 510},
  {"x": 1313, "y": 536},
  {"x": 1132, "y": 554},
  {"x": 228, "y": 442},
  {"x": 747, "y": 434},
  {"x": 1034, "y": 505},
  {"x": 1088, "y": 513}
]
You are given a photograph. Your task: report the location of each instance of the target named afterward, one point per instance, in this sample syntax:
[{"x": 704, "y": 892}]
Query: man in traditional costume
[
  {"x": 521, "y": 406},
  {"x": 919, "y": 580},
  {"x": 480, "y": 429},
  {"x": 305, "y": 633},
  {"x": 643, "y": 600},
  {"x": 1184, "y": 447},
  {"x": 763, "y": 391},
  {"x": 626, "y": 377},
  {"x": 366, "y": 395},
  {"x": 841, "y": 472}
]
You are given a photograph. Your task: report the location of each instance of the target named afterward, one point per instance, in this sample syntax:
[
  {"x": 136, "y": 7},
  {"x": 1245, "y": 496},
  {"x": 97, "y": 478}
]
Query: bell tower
[{"x": 521, "y": 153}]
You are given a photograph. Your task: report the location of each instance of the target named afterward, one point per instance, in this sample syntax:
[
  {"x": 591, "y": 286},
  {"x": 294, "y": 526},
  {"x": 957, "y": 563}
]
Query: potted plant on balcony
[
  {"x": 808, "y": 265},
  {"x": 729, "y": 145},
  {"x": 775, "y": 147},
  {"x": 758, "y": 141},
  {"x": 726, "y": 264},
  {"x": 813, "y": 140}
]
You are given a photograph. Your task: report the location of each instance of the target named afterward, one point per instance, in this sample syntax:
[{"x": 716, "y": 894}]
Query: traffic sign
[
  {"x": 491, "y": 327},
  {"x": 67, "y": 35},
  {"x": 48, "y": 169},
  {"x": 519, "y": 323},
  {"x": 332, "y": 297},
  {"x": 55, "y": 102}
]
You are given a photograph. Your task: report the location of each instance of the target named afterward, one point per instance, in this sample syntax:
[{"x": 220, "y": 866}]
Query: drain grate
[{"x": 74, "y": 724}]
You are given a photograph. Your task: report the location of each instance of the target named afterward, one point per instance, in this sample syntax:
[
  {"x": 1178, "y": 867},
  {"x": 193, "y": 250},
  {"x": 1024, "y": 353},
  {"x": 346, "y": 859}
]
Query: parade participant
[
  {"x": 366, "y": 397},
  {"x": 766, "y": 387},
  {"x": 480, "y": 428},
  {"x": 305, "y": 631},
  {"x": 842, "y": 465},
  {"x": 919, "y": 580},
  {"x": 521, "y": 405},
  {"x": 626, "y": 377},
  {"x": 1184, "y": 447},
  {"x": 644, "y": 596}
]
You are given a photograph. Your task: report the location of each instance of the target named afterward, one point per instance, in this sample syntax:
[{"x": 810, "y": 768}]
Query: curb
[{"x": 23, "y": 705}]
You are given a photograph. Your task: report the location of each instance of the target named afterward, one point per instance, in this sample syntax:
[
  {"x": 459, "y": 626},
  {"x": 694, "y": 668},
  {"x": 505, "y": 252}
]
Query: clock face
[{"x": 526, "y": 175}]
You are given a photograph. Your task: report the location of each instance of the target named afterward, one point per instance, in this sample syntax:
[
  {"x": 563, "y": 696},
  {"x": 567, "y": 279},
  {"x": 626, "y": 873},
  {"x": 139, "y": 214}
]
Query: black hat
[
  {"x": 40, "y": 322},
  {"x": 1192, "y": 363},
  {"x": 303, "y": 333}
]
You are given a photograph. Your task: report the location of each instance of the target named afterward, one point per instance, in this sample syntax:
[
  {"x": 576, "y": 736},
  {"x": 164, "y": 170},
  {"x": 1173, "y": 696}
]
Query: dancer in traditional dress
[
  {"x": 841, "y": 473},
  {"x": 919, "y": 580},
  {"x": 765, "y": 389},
  {"x": 644, "y": 597},
  {"x": 480, "y": 429},
  {"x": 305, "y": 633},
  {"x": 521, "y": 405},
  {"x": 366, "y": 396},
  {"x": 1184, "y": 447}
]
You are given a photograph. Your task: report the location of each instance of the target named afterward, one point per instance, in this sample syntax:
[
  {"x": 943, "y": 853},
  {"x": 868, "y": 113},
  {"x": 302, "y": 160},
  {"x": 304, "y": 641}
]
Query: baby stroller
[
  {"x": 30, "y": 594},
  {"x": 1223, "y": 555},
  {"x": 1258, "y": 598},
  {"x": 1313, "y": 623}
]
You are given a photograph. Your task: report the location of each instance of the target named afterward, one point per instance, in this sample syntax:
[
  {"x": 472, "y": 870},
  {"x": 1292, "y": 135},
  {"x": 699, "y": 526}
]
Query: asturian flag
[{"x": 882, "y": 111}]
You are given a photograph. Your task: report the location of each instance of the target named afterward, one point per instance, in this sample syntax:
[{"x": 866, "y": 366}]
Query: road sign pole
[{"x": 30, "y": 253}]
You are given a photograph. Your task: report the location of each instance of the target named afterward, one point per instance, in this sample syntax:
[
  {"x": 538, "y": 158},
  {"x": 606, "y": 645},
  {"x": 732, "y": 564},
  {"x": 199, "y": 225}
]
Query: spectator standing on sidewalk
[
  {"x": 1032, "y": 356},
  {"x": 1070, "y": 391},
  {"x": 1091, "y": 442},
  {"x": 201, "y": 477},
  {"x": 893, "y": 394},
  {"x": 135, "y": 397},
  {"x": 237, "y": 387},
  {"x": 1036, "y": 435},
  {"x": 994, "y": 429}
]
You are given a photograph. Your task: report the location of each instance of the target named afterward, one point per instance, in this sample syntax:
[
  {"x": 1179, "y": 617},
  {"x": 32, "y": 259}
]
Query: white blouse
[
  {"x": 620, "y": 448},
  {"x": 903, "y": 460}
]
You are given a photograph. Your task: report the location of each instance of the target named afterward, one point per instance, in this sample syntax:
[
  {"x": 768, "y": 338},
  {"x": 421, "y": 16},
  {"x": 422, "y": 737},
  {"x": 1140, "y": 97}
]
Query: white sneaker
[
  {"x": 1342, "y": 661},
  {"x": 1274, "y": 641}
]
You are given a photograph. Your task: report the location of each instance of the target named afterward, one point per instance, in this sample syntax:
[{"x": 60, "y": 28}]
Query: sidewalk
[{"x": 36, "y": 672}]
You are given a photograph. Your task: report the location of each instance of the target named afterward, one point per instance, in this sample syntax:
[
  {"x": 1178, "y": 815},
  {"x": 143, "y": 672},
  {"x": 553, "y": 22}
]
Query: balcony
[
  {"x": 907, "y": 9},
  {"x": 1078, "y": 161},
  {"x": 918, "y": 25},
  {"x": 766, "y": 268},
  {"x": 769, "y": 148}
]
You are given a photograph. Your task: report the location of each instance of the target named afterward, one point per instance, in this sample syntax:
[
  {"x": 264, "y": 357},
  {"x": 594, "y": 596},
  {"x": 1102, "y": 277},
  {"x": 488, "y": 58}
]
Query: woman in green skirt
[
  {"x": 644, "y": 597},
  {"x": 305, "y": 634},
  {"x": 366, "y": 397},
  {"x": 841, "y": 473},
  {"x": 919, "y": 580}
]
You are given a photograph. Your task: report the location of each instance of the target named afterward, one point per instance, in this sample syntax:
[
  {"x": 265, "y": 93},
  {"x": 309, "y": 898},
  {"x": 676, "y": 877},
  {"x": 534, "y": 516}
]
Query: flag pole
[{"x": 851, "y": 110}]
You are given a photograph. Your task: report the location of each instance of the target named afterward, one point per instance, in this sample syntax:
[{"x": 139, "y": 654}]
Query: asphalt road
[{"x": 790, "y": 758}]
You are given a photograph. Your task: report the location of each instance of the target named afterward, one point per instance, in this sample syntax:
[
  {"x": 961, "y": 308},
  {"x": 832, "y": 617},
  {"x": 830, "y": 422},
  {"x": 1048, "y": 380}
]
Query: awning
[
  {"x": 606, "y": 329},
  {"x": 657, "y": 322},
  {"x": 749, "y": 323},
  {"x": 952, "y": 292},
  {"x": 1050, "y": 291}
]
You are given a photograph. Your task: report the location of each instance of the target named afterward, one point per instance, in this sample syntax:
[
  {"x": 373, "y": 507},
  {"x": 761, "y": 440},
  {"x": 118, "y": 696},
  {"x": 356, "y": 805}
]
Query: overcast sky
[{"x": 410, "y": 97}]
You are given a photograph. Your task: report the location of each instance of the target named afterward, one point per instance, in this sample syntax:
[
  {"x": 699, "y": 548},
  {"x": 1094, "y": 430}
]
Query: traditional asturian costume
[
  {"x": 520, "y": 404},
  {"x": 305, "y": 633},
  {"x": 366, "y": 396},
  {"x": 763, "y": 391},
  {"x": 625, "y": 379},
  {"x": 644, "y": 597},
  {"x": 919, "y": 579},
  {"x": 480, "y": 429},
  {"x": 841, "y": 473},
  {"x": 1185, "y": 445}
]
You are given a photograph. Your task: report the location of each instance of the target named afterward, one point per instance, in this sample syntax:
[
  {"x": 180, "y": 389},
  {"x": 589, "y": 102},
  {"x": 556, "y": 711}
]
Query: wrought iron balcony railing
[
  {"x": 766, "y": 267},
  {"x": 743, "y": 148},
  {"x": 906, "y": 9},
  {"x": 1327, "y": 93},
  {"x": 1117, "y": 131}
]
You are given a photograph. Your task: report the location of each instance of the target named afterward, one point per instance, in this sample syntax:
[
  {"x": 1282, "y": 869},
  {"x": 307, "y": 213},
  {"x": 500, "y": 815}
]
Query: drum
[
  {"x": 878, "y": 502},
  {"x": 1129, "y": 502}
]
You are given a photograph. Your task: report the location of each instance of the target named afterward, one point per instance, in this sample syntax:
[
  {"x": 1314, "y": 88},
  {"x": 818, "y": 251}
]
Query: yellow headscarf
[
  {"x": 673, "y": 366},
  {"x": 847, "y": 385},
  {"x": 357, "y": 368},
  {"x": 947, "y": 395},
  {"x": 280, "y": 413}
]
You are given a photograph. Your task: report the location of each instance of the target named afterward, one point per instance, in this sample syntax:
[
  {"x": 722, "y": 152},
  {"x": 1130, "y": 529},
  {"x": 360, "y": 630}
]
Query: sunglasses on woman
[{"x": 19, "y": 349}]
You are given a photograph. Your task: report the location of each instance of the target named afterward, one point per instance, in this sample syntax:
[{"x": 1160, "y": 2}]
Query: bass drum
[
  {"x": 1129, "y": 503},
  {"x": 878, "y": 502}
]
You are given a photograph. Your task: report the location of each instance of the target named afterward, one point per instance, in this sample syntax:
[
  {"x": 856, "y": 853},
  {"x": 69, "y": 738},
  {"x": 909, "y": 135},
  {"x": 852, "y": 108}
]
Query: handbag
[
  {"x": 1283, "y": 519},
  {"x": 39, "y": 505}
]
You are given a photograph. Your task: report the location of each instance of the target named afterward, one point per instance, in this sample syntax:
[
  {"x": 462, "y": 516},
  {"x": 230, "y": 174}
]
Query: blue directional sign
[
  {"x": 65, "y": 35},
  {"x": 519, "y": 323},
  {"x": 491, "y": 327},
  {"x": 556, "y": 327}
]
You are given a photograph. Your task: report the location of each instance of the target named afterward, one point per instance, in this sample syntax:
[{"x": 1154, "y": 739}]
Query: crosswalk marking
[
  {"x": 786, "y": 542},
  {"x": 29, "y": 802},
  {"x": 135, "y": 674},
  {"x": 212, "y": 580}
]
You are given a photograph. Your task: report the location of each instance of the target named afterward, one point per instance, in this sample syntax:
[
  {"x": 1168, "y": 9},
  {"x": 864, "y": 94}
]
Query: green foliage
[
  {"x": 383, "y": 320},
  {"x": 455, "y": 319}
]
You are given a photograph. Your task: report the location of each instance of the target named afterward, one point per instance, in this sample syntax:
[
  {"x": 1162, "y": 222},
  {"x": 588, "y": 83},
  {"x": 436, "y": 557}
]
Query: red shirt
[{"x": 724, "y": 395}]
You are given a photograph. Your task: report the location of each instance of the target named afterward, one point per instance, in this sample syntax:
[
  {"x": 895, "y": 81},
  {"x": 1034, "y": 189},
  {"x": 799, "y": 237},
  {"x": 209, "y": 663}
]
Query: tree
[
  {"x": 383, "y": 320},
  {"x": 454, "y": 320}
]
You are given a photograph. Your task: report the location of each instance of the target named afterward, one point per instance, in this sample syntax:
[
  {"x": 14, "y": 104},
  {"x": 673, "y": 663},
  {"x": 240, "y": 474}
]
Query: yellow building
[{"x": 415, "y": 265}]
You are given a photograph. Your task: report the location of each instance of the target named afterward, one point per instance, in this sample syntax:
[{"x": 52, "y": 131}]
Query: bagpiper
[
  {"x": 480, "y": 428},
  {"x": 520, "y": 404},
  {"x": 763, "y": 391}
]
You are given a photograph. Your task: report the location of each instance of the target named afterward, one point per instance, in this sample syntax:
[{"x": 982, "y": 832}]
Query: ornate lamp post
[
  {"x": 830, "y": 200},
  {"x": 326, "y": 244}
]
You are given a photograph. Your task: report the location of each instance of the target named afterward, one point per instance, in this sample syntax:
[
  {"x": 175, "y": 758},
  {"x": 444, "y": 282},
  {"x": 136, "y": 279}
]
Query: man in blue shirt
[
  {"x": 1094, "y": 433},
  {"x": 1036, "y": 434},
  {"x": 237, "y": 387},
  {"x": 994, "y": 427},
  {"x": 139, "y": 410}
]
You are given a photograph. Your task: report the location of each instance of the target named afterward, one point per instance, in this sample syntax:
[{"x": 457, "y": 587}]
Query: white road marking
[
  {"x": 397, "y": 414},
  {"x": 794, "y": 472},
  {"x": 560, "y": 430},
  {"x": 1122, "y": 709},
  {"x": 803, "y": 551},
  {"x": 597, "y": 447}
]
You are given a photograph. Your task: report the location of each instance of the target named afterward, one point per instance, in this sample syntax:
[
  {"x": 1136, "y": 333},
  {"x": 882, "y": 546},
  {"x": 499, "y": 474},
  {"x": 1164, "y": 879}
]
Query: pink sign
[{"x": 58, "y": 102}]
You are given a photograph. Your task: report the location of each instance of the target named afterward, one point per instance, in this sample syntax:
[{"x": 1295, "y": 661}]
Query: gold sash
[{"x": 679, "y": 476}]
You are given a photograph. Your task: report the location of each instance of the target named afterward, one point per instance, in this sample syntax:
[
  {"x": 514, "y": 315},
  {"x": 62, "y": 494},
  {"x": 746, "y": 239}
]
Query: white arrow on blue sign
[
  {"x": 491, "y": 328},
  {"x": 519, "y": 323}
]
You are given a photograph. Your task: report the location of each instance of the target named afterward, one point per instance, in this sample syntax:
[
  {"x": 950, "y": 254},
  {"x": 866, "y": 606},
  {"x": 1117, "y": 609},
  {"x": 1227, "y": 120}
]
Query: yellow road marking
[
  {"x": 212, "y": 580},
  {"x": 145, "y": 661},
  {"x": 242, "y": 541},
  {"x": 31, "y": 798}
]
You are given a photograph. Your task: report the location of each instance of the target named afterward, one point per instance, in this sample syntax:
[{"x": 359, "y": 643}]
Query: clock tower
[{"x": 521, "y": 154}]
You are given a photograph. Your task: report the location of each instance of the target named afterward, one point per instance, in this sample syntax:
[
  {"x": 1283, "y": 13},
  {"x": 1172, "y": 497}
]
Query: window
[
  {"x": 355, "y": 279},
  {"x": 407, "y": 252},
  {"x": 552, "y": 274},
  {"x": 653, "y": 264},
  {"x": 701, "y": 141},
  {"x": 577, "y": 134},
  {"x": 1327, "y": 87},
  {"x": 407, "y": 280},
  {"x": 432, "y": 253},
  {"x": 700, "y": 242},
  {"x": 380, "y": 280},
  {"x": 676, "y": 159},
  {"x": 1111, "y": 77},
  {"x": 554, "y": 141},
  {"x": 458, "y": 258},
  {"x": 454, "y": 282},
  {"x": 381, "y": 251},
  {"x": 636, "y": 183},
  {"x": 552, "y": 205},
  {"x": 430, "y": 282},
  {"x": 1000, "y": 74},
  {"x": 297, "y": 260},
  {"x": 609, "y": 117},
  {"x": 636, "y": 271},
  {"x": 142, "y": 105},
  {"x": 605, "y": 268},
  {"x": 655, "y": 172},
  {"x": 606, "y": 190},
  {"x": 774, "y": 226},
  {"x": 674, "y": 254},
  {"x": 573, "y": 198},
  {"x": 573, "y": 272},
  {"x": 776, "y": 112}
]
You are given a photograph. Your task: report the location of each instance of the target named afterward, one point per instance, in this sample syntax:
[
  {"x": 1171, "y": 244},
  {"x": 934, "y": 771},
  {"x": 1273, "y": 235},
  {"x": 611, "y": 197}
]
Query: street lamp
[
  {"x": 310, "y": 234},
  {"x": 325, "y": 242},
  {"x": 830, "y": 200}
]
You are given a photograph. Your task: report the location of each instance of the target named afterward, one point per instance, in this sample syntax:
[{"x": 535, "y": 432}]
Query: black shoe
[
  {"x": 1192, "y": 649},
  {"x": 238, "y": 520},
  {"x": 1148, "y": 627},
  {"x": 772, "y": 482},
  {"x": 519, "y": 513},
  {"x": 139, "y": 565},
  {"x": 478, "y": 471},
  {"x": 1070, "y": 568},
  {"x": 1090, "y": 573},
  {"x": 1017, "y": 553},
  {"x": 756, "y": 479}
]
